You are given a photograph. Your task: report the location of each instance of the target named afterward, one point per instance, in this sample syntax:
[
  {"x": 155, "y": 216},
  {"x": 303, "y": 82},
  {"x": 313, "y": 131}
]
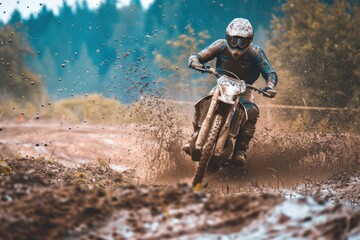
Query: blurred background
[{"x": 98, "y": 60}]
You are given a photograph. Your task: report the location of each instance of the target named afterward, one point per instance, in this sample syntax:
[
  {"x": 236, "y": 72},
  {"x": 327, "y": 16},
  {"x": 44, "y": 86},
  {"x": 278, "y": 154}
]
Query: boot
[
  {"x": 239, "y": 158},
  {"x": 186, "y": 146}
]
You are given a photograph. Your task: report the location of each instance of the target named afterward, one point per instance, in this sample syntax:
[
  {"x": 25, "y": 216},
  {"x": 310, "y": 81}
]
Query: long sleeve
[
  {"x": 267, "y": 71},
  {"x": 208, "y": 54}
]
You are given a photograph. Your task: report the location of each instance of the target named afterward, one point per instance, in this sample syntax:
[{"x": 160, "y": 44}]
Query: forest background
[{"x": 124, "y": 54}]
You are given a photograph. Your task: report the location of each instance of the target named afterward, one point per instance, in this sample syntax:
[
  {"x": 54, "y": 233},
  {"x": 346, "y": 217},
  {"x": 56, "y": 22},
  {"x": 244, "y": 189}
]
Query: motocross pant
[{"x": 248, "y": 130}]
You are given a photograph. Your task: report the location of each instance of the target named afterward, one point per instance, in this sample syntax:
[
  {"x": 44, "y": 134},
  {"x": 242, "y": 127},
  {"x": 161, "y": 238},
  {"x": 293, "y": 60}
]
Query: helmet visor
[{"x": 238, "y": 42}]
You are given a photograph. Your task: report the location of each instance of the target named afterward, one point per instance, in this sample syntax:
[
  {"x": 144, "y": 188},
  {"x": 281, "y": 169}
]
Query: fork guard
[
  {"x": 234, "y": 121},
  {"x": 206, "y": 123}
]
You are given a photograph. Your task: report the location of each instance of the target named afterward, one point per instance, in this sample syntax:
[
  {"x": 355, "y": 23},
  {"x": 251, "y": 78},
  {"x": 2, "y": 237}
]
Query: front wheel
[{"x": 207, "y": 151}]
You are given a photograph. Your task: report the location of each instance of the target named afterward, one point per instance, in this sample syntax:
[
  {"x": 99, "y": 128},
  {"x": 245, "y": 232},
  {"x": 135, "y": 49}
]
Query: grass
[{"x": 93, "y": 108}]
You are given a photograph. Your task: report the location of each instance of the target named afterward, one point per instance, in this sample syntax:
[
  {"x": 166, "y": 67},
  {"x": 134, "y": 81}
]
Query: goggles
[{"x": 238, "y": 42}]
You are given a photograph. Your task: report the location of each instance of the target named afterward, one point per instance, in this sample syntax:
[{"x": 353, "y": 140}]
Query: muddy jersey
[{"x": 247, "y": 67}]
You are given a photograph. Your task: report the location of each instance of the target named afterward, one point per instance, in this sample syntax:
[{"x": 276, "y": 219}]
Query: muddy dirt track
[{"x": 91, "y": 181}]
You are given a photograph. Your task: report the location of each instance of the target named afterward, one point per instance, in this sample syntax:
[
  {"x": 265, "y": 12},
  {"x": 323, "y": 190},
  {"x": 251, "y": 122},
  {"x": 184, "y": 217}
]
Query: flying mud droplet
[{"x": 166, "y": 162}]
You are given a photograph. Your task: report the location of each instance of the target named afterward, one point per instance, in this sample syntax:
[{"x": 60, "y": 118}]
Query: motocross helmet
[{"x": 239, "y": 36}]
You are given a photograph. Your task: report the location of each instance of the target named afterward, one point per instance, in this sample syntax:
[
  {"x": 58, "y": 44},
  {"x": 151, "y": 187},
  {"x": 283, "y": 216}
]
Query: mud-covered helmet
[{"x": 239, "y": 36}]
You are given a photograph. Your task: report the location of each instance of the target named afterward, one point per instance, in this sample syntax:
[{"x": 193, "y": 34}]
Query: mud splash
[
  {"x": 33, "y": 205},
  {"x": 166, "y": 162},
  {"x": 279, "y": 161},
  {"x": 276, "y": 158},
  {"x": 342, "y": 187},
  {"x": 45, "y": 199},
  {"x": 308, "y": 153}
]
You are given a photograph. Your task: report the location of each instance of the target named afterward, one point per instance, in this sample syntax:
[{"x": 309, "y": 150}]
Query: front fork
[
  {"x": 206, "y": 124},
  {"x": 225, "y": 130}
]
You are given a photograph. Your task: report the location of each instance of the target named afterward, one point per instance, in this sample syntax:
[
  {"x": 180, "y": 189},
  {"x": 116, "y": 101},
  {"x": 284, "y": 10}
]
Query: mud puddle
[
  {"x": 45, "y": 200},
  {"x": 302, "y": 185}
]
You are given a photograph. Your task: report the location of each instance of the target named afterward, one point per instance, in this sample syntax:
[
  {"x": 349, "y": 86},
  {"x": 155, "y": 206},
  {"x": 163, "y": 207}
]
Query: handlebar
[
  {"x": 265, "y": 94},
  {"x": 207, "y": 70},
  {"x": 218, "y": 75}
]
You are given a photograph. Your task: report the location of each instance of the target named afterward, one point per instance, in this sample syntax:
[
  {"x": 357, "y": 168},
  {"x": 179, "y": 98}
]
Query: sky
[{"x": 27, "y": 7}]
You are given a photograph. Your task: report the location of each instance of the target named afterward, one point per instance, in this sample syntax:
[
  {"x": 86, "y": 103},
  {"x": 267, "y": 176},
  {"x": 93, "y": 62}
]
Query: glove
[
  {"x": 269, "y": 89},
  {"x": 198, "y": 66},
  {"x": 209, "y": 68},
  {"x": 195, "y": 65},
  {"x": 206, "y": 66}
]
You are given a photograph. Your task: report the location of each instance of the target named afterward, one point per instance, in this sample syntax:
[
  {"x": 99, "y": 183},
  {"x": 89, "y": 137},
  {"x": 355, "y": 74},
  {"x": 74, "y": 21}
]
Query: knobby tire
[{"x": 207, "y": 150}]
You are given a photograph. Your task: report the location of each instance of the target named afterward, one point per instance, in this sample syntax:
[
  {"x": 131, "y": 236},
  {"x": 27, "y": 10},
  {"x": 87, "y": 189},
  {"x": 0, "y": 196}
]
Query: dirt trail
[
  {"x": 277, "y": 160},
  {"x": 56, "y": 202},
  {"x": 73, "y": 144},
  {"x": 295, "y": 185}
]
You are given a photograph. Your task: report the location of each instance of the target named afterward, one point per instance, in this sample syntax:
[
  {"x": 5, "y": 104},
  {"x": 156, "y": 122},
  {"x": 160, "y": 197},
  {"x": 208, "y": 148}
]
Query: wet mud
[
  {"x": 46, "y": 200},
  {"x": 295, "y": 185}
]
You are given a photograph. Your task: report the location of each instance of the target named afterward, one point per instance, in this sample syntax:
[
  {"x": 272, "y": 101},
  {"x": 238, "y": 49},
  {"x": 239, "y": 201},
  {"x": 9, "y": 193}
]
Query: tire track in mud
[
  {"x": 35, "y": 202},
  {"x": 276, "y": 160},
  {"x": 42, "y": 210},
  {"x": 293, "y": 164}
]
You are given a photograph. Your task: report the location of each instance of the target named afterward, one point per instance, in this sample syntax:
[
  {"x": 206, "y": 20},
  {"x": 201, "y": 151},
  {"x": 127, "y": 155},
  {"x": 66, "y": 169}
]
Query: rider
[{"x": 237, "y": 54}]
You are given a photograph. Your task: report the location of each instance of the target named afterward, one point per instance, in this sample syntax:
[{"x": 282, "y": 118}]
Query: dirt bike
[{"x": 219, "y": 120}]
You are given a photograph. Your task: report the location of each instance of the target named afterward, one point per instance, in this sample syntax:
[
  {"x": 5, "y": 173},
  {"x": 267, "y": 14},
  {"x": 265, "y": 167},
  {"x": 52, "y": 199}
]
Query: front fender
[{"x": 201, "y": 108}]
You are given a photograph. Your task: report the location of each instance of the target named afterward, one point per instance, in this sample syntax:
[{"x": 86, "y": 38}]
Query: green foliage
[
  {"x": 94, "y": 108},
  {"x": 17, "y": 82},
  {"x": 315, "y": 47},
  {"x": 120, "y": 39},
  {"x": 180, "y": 81},
  {"x": 80, "y": 76},
  {"x": 10, "y": 109},
  {"x": 172, "y": 17}
]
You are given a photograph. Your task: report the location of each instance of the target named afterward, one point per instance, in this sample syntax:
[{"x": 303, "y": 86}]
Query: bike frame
[{"x": 224, "y": 93}]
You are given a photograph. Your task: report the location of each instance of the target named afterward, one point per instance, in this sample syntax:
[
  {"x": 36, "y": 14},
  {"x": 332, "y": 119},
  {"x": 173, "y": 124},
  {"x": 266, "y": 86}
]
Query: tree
[
  {"x": 106, "y": 18},
  {"x": 81, "y": 76},
  {"x": 45, "y": 65},
  {"x": 177, "y": 77},
  {"x": 15, "y": 17},
  {"x": 316, "y": 48},
  {"x": 16, "y": 80}
]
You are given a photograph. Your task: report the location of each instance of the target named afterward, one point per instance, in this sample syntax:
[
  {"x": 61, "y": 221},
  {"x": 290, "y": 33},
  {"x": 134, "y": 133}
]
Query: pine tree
[
  {"x": 15, "y": 17},
  {"x": 81, "y": 76},
  {"x": 45, "y": 65},
  {"x": 17, "y": 82}
]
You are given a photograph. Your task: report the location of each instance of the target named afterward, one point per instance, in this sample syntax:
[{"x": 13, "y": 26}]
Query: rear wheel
[{"x": 207, "y": 151}]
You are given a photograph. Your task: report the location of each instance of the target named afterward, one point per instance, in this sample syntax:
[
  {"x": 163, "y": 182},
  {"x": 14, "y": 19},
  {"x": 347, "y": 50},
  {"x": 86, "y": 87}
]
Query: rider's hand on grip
[
  {"x": 212, "y": 70},
  {"x": 209, "y": 69},
  {"x": 197, "y": 66},
  {"x": 206, "y": 68},
  {"x": 272, "y": 92}
]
